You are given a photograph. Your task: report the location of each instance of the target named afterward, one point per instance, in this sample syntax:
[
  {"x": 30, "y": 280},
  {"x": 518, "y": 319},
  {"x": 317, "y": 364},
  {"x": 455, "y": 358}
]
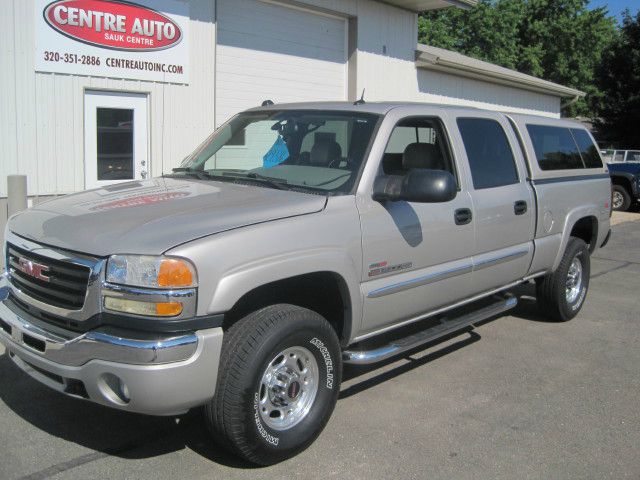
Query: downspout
[{"x": 571, "y": 102}]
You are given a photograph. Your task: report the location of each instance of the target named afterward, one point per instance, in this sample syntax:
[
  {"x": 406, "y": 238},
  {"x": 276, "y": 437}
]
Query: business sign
[{"x": 147, "y": 40}]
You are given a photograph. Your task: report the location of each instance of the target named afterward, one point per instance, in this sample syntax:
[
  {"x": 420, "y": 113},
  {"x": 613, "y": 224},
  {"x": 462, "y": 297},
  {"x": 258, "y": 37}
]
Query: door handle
[
  {"x": 520, "y": 207},
  {"x": 462, "y": 216}
]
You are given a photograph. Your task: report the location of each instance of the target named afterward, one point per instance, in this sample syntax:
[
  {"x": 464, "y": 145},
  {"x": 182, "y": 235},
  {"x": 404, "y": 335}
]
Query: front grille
[{"x": 67, "y": 284}]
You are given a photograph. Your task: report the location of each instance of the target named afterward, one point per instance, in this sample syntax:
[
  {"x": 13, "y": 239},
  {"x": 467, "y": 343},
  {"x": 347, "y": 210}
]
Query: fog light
[
  {"x": 160, "y": 309},
  {"x": 124, "y": 392},
  {"x": 114, "y": 388}
]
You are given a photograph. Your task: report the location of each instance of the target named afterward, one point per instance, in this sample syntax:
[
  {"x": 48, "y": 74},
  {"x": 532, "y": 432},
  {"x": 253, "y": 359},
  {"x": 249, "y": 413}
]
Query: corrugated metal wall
[
  {"x": 445, "y": 88},
  {"x": 386, "y": 68},
  {"x": 41, "y": 114},
  {"x": 387, "y": 39}
]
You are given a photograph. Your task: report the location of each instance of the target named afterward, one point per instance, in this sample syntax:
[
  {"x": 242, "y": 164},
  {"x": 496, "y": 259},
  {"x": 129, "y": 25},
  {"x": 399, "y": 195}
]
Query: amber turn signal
[
  {"x": 169, "y": 309},
  {"x": 175, "y": 273}
]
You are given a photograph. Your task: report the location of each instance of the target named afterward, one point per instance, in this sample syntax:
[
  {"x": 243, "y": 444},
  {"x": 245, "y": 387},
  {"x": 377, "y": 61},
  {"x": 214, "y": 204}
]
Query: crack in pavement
[
  {"x": 630, "y": 262},
  {"x": 92, "y": 457},
  {"x": 619, "y": 267}
]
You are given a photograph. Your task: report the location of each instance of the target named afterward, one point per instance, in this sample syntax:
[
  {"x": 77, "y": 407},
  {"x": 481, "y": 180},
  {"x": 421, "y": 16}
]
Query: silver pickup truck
[{"x": 296, "y": 239}]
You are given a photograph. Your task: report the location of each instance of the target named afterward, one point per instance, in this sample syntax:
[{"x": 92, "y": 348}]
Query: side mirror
[{"x": 419, "y": 185}]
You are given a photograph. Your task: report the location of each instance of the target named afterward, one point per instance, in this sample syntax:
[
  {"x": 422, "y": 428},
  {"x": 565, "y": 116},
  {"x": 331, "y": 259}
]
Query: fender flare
[
  {"x": 242, "y": 280},
  {"x": 627, "y": 177},
  {"x": 570, "y": 221}
]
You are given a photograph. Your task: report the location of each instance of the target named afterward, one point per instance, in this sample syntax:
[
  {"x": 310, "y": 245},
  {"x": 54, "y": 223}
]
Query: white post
[{"x": 16, "y": 193}]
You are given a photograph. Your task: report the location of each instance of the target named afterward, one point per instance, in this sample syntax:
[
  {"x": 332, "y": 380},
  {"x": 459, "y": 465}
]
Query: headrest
[
  {"x": 422, "y": 155},
  {"x": 324, "y": 152}
]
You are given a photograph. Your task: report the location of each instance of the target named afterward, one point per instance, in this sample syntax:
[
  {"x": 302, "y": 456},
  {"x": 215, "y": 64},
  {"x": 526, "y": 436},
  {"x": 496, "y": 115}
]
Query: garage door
[{"x": 271, "y": 51}]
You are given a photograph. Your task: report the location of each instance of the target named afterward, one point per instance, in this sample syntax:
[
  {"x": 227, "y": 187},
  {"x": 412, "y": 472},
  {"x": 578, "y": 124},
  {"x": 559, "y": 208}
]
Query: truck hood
[{"x": 152, "y": 216}]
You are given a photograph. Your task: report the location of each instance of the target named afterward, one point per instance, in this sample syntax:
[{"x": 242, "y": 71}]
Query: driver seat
[
  {"x": 323, "y": 152},
  {"x": 422, "y": 155}
]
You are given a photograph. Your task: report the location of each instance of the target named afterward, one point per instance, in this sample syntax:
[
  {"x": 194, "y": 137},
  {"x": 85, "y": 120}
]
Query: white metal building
[{"x": 89, "y": 97}]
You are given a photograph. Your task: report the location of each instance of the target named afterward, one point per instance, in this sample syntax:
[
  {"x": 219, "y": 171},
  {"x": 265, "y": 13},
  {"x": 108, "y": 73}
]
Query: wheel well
[
  {"x": 622, "y": 181},
  {"x": 587, "y": 229},
  {"x": 323, "y": 292}
]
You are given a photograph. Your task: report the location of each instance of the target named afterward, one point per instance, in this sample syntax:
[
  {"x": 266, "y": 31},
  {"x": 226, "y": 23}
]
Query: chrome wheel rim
[
  {"x": 617, "y": 200},
  {"x": 574, "y": 280},
  {"x": 288, "y": 388}
]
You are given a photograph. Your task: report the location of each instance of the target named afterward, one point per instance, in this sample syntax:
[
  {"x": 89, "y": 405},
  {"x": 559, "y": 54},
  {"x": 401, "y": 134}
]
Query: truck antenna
[{"x": 361, "y": 100}]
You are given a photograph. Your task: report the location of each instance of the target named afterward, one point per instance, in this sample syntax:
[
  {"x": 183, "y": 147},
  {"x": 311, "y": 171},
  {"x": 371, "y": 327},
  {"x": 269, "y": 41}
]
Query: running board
[{"x": 446, "y": 327}]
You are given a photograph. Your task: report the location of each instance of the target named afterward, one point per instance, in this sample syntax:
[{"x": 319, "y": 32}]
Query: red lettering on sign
[{"x": 113, "y": 24}]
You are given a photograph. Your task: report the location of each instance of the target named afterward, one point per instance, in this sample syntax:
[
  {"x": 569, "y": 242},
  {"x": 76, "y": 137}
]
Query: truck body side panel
[{"x": 563, "y": 198}]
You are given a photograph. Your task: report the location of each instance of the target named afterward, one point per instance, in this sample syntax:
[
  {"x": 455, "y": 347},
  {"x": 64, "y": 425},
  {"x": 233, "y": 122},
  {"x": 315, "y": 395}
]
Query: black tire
[
  {"x": 249, "y": 347},
  {"x": 620, "y": 198},
  {"x": 552, "y": 293}
]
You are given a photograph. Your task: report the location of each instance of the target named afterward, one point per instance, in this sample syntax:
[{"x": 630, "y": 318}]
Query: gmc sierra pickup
[{"x": 295, "y": 239}]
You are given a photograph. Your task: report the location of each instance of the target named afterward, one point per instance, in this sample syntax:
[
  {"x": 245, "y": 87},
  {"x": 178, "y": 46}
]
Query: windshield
[{"x": 314, "y": 151}]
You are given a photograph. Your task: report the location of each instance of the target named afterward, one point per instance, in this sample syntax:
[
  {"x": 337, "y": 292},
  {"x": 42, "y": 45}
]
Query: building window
[{"x": 114, "y": 143}]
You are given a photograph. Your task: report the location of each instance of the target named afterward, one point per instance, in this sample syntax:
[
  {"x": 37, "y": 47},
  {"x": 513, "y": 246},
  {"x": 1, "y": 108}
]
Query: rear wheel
[
  {"x": 278, "y": 382},
  {"x": 562, "y": 293},
  {"x": 620, "y": 199}
]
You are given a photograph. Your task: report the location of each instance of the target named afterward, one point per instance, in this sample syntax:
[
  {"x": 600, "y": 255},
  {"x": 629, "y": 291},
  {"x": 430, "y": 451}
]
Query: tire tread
[
  {"x": 225, "y": 413},
  {"x": 551, "y": 287}
]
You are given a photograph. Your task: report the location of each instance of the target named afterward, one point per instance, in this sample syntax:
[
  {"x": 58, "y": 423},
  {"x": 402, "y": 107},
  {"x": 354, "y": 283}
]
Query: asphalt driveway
[{"x": 518, "y": 397}]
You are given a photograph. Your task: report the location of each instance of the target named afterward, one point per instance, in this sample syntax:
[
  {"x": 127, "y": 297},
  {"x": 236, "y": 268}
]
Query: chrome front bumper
[{"x": 166, "y": 376}]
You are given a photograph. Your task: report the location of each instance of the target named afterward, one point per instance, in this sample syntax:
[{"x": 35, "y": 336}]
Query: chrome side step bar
[{"x": 444, "y": 328}]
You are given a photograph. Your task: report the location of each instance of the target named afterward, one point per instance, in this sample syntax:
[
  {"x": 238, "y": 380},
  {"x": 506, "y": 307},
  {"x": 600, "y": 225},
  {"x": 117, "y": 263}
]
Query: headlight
[{"x": 153, "y": 272}]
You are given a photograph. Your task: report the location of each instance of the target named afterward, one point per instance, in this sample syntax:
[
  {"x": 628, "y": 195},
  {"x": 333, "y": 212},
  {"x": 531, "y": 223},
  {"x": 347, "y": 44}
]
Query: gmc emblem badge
[{"x": 33, "y": 269}]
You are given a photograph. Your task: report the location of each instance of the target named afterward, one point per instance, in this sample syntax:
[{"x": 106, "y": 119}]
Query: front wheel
[
  {"x": 562, "y": 293},
  {"x": 278, "y": 382}
]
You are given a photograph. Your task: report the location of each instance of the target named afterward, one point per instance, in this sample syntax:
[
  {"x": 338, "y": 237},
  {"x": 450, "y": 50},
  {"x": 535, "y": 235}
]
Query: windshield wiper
[
  {"x": 201, "y": 174},
  {"x": 276, "y": 183}
]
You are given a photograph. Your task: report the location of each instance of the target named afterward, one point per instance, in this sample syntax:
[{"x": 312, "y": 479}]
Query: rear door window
[
  {"x": 489, "y": 153},
  {"x": 588, "y": 149},
  {"x": 555, "y": 148}
]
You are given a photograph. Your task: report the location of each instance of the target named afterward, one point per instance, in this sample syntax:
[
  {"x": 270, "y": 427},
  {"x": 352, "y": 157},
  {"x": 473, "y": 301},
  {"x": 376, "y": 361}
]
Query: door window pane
[
  {"x": 115, "y": 143},
  {"x": 490, "y": 156},
  {"x": 588, "y": 149},
  {"x": 554, "y": 147},
  {"x": 417, "y": 143}
]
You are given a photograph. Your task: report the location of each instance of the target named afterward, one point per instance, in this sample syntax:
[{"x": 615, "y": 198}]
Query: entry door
[
  {"x": 417, "y": 256},
  {"x": 116, "y": 138},
  {"x": 503, "y": 201}
]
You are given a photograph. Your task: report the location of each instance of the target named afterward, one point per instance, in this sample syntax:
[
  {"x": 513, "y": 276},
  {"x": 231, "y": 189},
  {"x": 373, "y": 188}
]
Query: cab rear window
[{"x": 560, "y": 148}]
